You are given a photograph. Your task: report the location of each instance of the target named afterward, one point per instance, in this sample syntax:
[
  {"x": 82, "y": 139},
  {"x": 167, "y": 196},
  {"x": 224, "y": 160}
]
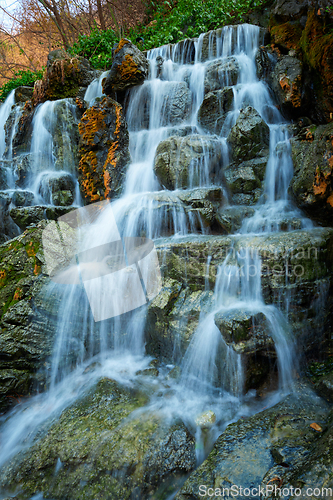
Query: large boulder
[
  {"x": 63, "y": 77},
  {"x": 187, "y": 161},
  {"x": 214, "y": 107},
  {"x": 27, "y": 324},
  {"x": 210, "y": 43},
  {"x": 23, "y": 94},
  {"x": 312, "y": 184},
  {"x": 287, "y": 83},
  {"x": 129, "y": 68},
  {"x": 99, "y": 448},
  {"x": 249, "y": 136},
  {"x": 104, "y": 153}
]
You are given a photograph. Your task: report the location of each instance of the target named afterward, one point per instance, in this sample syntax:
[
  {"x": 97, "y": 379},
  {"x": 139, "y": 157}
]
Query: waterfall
[
  {"x": 166, "y": 105},
  {"x": 5, "y": 110}
]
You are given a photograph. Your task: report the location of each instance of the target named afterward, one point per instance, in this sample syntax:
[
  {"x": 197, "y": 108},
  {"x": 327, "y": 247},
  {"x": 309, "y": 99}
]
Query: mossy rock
[
  {"x": 104, "y": 450},
  {"x": 63, "y": 77},
  {"x": 27, "y": 325}
]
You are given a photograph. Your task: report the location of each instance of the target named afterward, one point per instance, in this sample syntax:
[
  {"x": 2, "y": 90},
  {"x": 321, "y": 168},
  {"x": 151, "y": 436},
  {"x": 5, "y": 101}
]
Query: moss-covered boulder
[
  {"x": 100, "y": 449},
  {"x": 64, "y": 75},
  {"x": 214, "y": 107},
  {"x": 24, "y": 216},
  {"x": 129, "y": 68},
  {"x": 104, "y": 153},
  {"x": 27, "y": 324},
  {"x": 249, "y": 136},
  {"x": 188, "y": 161},
  {"x": 7, "y": 228},
  {"x": 312, "y": 183}
]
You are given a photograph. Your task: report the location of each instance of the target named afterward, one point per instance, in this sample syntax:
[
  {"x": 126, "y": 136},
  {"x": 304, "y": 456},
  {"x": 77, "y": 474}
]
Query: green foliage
[
  {"x": 172, "y": 21},
  {"x": 21, "y": 78},
  {"x": 96, "y": 47}
]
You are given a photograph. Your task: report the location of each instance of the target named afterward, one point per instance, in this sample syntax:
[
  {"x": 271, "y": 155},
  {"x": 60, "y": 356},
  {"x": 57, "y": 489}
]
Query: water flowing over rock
[
  {"x": 214, "y": 108},
  {"x": 104, "y": 154},
  {"x": 187, "y": 161},
  {"x": 129, "y": 68}
]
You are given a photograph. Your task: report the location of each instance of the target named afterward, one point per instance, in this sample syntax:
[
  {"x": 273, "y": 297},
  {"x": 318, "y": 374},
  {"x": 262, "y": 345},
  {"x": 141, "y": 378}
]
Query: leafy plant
[{"x": 21, "y": 78}]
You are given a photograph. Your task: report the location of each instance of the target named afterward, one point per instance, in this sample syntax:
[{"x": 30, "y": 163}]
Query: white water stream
[{"x": 212, "y": 374}]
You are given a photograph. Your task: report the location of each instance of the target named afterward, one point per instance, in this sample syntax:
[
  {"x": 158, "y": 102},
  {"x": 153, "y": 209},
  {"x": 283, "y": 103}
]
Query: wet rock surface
[
  {"x": 287, "y": 83},
  {"x": 221, "y": 72},
  {"x": 63, "y": 77},
  {"x": 275, "y": 443},
  {"x": 25, "y": 216},
  {"x": 117, "y": 452},
  {"x": 214, "y": 108}
]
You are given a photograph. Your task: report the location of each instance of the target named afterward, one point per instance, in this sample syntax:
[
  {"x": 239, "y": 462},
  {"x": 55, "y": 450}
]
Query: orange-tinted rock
[
  {"x": 317, "y": 45},
  {"x": 287, "y": 35},
  {"x": 63, "y": 77},
  {"x": 304, "y": 26},
  {"x": 129, "y": 68},
  {"x": 287, "y": 83},
  {"x": 104, "y": 153},
  {"x": 312, "y": 184}
]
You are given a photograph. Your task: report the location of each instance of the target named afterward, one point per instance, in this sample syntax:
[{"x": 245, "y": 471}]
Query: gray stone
[
  {"x": 230, "y": 219},
  {"x": 177, "y": 160},
  {"x": 287, "y": 84},
  {"x": 106, "y": 461},
  {"x": 249, "y": 135},
  {"x": 220, "y": 74},
  {"x": 214, "y": 107}
]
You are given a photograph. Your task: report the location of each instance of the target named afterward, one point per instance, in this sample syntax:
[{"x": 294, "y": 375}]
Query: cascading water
[{"x": 212, "y": 375}]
